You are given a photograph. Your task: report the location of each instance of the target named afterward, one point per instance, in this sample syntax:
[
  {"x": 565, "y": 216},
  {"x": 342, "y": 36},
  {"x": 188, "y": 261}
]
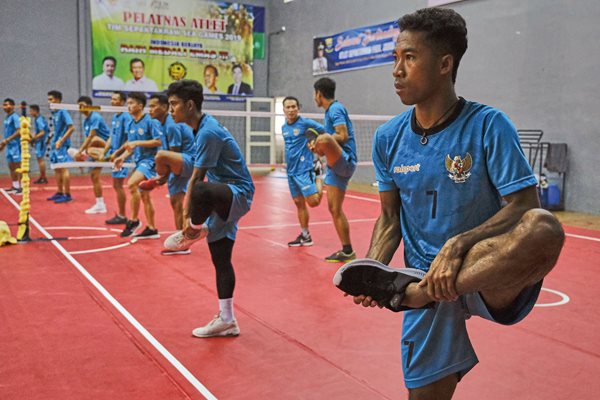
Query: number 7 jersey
[{"x": 455, "y": 181}]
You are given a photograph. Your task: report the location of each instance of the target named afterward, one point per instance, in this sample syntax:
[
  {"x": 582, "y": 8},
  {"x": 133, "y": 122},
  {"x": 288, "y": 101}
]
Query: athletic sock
[
  {"x": 99, "y": 201},
  {"x": 347, "y": 248},
  {"x": 226, "y": 307},
  {"x": 305, "y": 232},
  {"x": 16, "y": 184}
]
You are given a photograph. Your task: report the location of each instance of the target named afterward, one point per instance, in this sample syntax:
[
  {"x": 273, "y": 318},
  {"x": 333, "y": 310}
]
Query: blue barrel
[{"x": 553, "y": 195}]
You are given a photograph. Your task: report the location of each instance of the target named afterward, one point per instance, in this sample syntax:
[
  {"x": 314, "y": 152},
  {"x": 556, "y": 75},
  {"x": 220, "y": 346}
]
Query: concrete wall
[{"x": 537, "y": 60}]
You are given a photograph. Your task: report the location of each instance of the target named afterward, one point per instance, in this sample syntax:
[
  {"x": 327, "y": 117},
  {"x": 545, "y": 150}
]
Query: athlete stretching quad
[{"x": 443, "y": 168}]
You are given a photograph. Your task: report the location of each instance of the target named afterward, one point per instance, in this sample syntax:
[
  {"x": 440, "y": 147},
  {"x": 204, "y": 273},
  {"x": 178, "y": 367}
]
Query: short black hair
[
  {"x": 139, "y": 97},
  {"x": 114, "y": 60},
  {"x": 444, "y": 28},
  {"x": 56, "y": 94},
  {"x": 34, "y": 107},
  {"x": 161, "y": 97},
  {"x": 10, "y": 101},
  {"x": 326, "y": 86},
  {"x": 85, "y": 99},
  {"x": 187, "y": 89},
  {"x": 213, "y": 68},
  {"x": 134, "y": 60},
  {"x": 291, "y": 98},
  {"x": 121, "y": 95},
  {"x": 237, "y": 66}
]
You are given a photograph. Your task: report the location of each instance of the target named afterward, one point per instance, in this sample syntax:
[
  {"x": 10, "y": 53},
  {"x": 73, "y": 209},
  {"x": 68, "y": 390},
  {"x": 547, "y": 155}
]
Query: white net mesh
[{"x": 259, "y": 124}]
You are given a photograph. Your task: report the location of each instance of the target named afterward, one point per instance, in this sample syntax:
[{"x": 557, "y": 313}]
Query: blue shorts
[
  {"x": 120, "y": 174},
  {"x": 219, "y": 229},
  {"x": 302, "y": 184},
  {"x": 40, "y": 149},
  {"x": 146, "y": 167},
  {"x": 179, "y": 183},
  {"x": 341, "y": 172},
  {"x": 435, "y": 342},
  {"x": 13, "y": 152},
  {"x": 60, "y": 156}
]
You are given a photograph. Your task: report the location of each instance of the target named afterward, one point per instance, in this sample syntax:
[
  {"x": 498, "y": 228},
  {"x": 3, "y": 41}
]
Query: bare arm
[
  {"x": 443, "y": 270},
  {"x": 68, "y": 133},
  {"x": 11, "y": 137},
  {"x": 386, "y": 235},
  {"x": 39, "y": 135},
  {"x": 341, "y": 134}
]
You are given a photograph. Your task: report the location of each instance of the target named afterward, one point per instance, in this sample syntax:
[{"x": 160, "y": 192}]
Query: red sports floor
[{"x": 95, "y": 317}]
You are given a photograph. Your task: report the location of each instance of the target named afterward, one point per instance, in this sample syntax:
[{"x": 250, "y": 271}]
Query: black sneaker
[
  {"x": 301, "y": 240},
  {"x": 340, "y": 256},
  {"x": 12, "y": 190},
  {"x": 18, "y": 191},
  {"x": 41, "y": 181},
  {"x": 148, "y": 234},
  {"x": 131, "y": 227},
  {"x": 116, "y": 220},
  {"x": 383, "y": 284}
]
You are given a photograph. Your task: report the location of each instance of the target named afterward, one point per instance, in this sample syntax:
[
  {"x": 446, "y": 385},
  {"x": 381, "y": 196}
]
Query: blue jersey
[
  {"x": 41, "y": 124},
  {"x": 95, "y": 122},
  {"x": 218, "y": 151},
  {"x": 62, "y": 120},
  {"x": 298, "y": 157},
  {"x": 11, "y": 124},
  {"x": 118, "y": 134},
  {"x": 453, "y": 183},
  {"x": 177, "y": 135},
  {"x": 337, "y": 115},
  {"x": 144, "y": 129}
]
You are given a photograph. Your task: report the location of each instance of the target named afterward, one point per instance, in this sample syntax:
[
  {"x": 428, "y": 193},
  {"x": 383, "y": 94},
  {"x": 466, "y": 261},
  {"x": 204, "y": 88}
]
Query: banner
[
  {"x": 145, "y": 45},
  {"x": 355, "y": 49}
]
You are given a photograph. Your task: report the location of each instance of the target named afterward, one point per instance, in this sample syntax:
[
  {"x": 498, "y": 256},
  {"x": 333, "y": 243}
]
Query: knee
[
  {"x": 200, "y": 193},
  {"x": 160, "y": 156},
  {"x": 314, "y": 200},
  {"x": 545, "y": 225},
  {"x": 299, "y": 202},
  {"x": 133, "y": 187},
  {"x": 334, "y": 209}
]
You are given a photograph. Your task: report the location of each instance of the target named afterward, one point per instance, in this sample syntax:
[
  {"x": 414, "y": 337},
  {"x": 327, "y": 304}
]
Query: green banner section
[{"x": 144, "y": 45}]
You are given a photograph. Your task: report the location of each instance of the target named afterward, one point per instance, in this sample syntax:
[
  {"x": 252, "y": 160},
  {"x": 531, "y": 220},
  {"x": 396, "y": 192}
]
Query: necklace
[{"x": 424, "y": 139}]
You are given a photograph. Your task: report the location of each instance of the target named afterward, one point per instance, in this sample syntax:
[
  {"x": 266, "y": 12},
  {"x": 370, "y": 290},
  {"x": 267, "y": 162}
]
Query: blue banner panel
[{"x": 365, "y": 47}]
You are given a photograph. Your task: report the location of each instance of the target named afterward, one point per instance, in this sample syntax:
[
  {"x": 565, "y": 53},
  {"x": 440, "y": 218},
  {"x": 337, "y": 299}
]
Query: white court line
[
  {"x": 118, "y": 246},
  {"x": 90, "y": 237},
  {"x": 161, "y": 349},
  {"x": 83, "y": 228},
  {"x": 564, "y": 299},
  {"x": 582, "y": 237}
]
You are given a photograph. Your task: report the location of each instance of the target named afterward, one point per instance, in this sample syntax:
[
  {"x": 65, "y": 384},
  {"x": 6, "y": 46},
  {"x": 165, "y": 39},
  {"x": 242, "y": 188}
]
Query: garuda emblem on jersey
[
  {"x": 459, "y": 168},
  {"x": 296, "y": 132}
]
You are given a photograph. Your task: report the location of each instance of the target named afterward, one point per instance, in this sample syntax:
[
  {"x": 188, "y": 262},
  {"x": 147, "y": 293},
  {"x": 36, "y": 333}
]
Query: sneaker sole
[
  {"x": 175, "y": 252},
  {"x": 132, "y": 232},
  {"x": 354, "y": 283},
  {"x": 157, "y": 236},
  {"x": 226, "y": 333},
  {"x": 95, "y": 212},
  {"x": 340, "y": 261},
  {"x": 307, "y": 244}
]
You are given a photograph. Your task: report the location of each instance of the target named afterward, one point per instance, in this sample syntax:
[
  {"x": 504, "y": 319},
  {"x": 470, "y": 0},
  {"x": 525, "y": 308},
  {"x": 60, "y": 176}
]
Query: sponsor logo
[{"x": 405, "y": 169}]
